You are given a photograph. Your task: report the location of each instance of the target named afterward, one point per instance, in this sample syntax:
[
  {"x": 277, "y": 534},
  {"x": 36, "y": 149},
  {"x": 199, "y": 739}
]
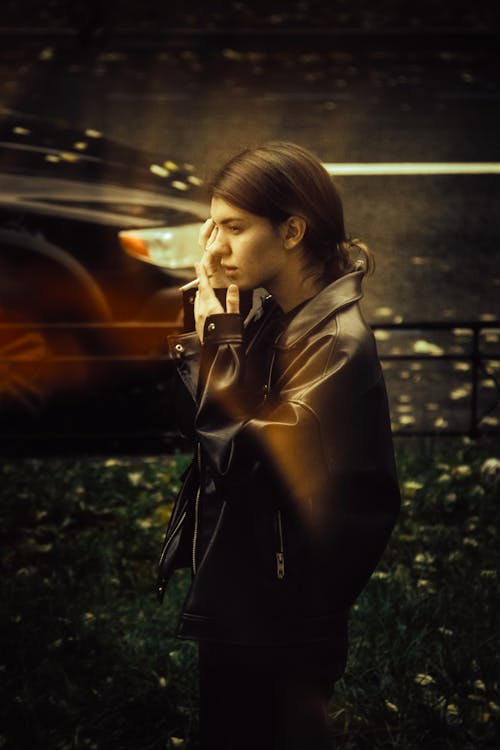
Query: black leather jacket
[{"x": 293, "y": 492}]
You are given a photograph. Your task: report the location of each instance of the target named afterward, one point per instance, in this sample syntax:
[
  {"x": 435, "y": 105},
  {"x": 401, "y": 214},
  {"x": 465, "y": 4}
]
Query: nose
[{"x": 218, "y": 246}]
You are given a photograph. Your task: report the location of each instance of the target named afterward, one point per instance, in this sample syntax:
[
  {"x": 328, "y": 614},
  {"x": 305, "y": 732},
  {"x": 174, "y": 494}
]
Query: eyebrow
[{"x": 228, "y": 220}]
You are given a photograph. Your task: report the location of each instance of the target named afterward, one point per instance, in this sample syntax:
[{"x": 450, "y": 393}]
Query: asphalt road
[{"x": 435, "y": 237}]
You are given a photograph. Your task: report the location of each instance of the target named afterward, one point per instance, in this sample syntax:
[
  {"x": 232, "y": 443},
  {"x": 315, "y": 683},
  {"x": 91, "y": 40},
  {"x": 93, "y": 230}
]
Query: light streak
[{"x": 410, "y": 168}]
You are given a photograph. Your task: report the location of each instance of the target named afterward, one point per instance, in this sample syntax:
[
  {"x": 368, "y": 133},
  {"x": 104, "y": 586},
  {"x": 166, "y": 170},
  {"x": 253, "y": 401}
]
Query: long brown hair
[{"x": 280, "y": 179}]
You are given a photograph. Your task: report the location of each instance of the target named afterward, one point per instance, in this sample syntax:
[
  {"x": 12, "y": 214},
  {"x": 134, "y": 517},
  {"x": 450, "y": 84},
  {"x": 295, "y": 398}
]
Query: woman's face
[{"x": 249, "y": 249}]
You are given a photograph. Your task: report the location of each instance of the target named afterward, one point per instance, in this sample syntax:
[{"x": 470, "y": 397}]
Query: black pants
[{"x": 267, "y": 697}]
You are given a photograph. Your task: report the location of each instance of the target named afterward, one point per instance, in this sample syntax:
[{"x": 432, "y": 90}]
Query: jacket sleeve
[
  {"x": 248, "y": 447},
  {"x": 185, "y": 351}
]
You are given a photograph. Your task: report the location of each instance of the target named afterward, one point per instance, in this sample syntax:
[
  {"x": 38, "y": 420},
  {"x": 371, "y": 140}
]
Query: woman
[{"x": 293, "y": 492}]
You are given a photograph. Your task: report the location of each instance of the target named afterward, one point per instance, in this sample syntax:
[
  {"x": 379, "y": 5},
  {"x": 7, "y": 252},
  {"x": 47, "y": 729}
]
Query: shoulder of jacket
[{"x": 352, "y": 330}]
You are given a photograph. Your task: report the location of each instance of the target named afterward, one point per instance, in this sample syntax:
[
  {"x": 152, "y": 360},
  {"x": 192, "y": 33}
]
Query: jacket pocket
[{"x": 279, "y": 545}]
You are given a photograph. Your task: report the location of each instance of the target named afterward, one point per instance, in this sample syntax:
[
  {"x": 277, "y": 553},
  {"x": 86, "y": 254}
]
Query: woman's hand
[
  {"x": 206, "y": 303},
  {"x": 210, "y": 258}
]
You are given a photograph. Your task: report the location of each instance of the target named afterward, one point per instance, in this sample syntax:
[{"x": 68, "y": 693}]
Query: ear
[{"x": 294, "y": 229}]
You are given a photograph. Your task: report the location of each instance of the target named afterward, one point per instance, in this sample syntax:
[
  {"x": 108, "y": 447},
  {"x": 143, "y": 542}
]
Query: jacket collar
[{"x": 324, "y": 305}]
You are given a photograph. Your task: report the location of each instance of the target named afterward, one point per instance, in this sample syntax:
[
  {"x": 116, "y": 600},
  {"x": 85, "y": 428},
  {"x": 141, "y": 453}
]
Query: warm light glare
[
  {"x": 133, "y": 245},
  {"x": 388, "y": 168}
]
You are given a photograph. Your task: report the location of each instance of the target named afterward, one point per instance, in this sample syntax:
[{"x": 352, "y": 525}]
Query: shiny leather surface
[{"x": 294, "y": 493}]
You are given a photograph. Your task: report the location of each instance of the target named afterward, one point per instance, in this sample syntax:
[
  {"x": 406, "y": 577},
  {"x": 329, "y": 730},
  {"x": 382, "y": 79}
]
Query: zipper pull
[{"x": 280, "y": 564}]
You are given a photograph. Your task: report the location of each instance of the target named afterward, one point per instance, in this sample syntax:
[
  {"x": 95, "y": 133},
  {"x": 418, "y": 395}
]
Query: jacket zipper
[
  {"x": 170, "y": 538},
  {"x": 196, "y": 509},
  {"x": 195, "y": 532},
  {"x": 280, "y": 554}
]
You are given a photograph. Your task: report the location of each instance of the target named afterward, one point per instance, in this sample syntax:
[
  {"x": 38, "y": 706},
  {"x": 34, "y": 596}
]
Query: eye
[{"x": 234, "y": 228}]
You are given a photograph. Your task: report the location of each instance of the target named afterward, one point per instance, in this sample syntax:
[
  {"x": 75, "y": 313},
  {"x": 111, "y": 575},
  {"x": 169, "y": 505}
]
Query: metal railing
[{"x": 475, "y": 355}]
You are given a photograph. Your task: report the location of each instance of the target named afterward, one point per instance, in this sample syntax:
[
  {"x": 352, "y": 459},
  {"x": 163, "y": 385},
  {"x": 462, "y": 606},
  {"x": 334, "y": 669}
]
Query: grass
[
  {"x": 90, "y": 660},
  {"x": 424, "y": 663}
]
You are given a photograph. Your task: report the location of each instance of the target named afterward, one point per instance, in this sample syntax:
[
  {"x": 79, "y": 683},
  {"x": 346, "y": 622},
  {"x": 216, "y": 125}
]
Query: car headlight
[{"x": 174, "y": 249}]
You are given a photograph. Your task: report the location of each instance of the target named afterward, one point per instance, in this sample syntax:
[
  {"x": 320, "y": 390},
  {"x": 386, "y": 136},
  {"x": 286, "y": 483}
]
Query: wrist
[{"x": 221, "y": 328}]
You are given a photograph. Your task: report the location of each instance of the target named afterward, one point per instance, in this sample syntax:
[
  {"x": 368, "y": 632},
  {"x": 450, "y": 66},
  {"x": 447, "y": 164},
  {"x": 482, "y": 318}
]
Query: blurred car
[{"x": 95, "y": 239}]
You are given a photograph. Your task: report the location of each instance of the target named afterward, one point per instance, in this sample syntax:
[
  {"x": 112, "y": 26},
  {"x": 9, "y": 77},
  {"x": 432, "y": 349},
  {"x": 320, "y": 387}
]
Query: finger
[
  {"x": 199, "y": 319},
  {"x": 210, "y": 258},
  {"x": 206, "y": 302},
  {"x": 206, "y": 230},
  {"x": 233, "y": 299},
  {"x": 212, "y": 252},
  {"x": 201, "y": 273},
  {"x": 203, "y": 280},
  {"x": 212, "y": 237},
  {"x": 209, "y": 263}
]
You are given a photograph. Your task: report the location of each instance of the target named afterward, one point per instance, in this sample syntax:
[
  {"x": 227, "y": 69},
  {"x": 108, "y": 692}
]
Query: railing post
[{"x": 476, "y": 358}]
